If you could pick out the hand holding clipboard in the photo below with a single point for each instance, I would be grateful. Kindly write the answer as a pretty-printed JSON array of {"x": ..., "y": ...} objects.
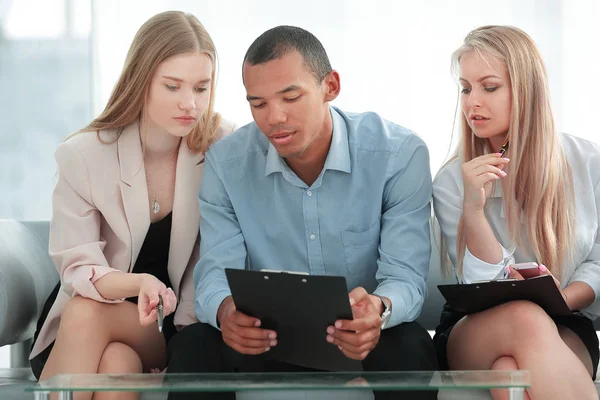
[
  {"x": 476, "y": 297},
  {"x": 299, "y": 309}
]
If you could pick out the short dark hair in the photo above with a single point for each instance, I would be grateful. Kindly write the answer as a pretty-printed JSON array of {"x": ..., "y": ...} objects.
[{"x": 278, "y": 41}]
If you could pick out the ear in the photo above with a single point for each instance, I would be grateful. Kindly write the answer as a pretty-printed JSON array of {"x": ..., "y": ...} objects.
[{"x": 331, "y": 85}]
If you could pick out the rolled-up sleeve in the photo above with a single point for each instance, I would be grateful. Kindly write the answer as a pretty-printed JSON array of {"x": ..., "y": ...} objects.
[
  {"x": 75, "y": 244},
  {"x": 221, "y": 244},
  {"x": 475, "y": 269},
  {"x": 403, "y": 266}
]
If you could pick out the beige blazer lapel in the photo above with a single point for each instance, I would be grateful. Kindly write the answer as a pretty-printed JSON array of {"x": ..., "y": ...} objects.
[
  {"x": 186, "y": 213},
  {"x": 134, "y": 190}
]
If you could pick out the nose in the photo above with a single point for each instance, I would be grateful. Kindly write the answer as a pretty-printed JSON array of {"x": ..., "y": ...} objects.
[
  {"x": 474, "y": 99},
  {"x": 187, "y": 102},
  {"x": 276, "y": 115}
]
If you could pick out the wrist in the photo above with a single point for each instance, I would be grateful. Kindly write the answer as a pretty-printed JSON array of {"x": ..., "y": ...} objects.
[
  {"x": 222, "y": 310},
  {"x": 385, "y": 309},
  {"x": 139, "y": 280},
  {"x": 378, "y": 303},
  {"x": 472, "y": 211}
]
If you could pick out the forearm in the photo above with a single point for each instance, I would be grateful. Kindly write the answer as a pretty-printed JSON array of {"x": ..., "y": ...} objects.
[
  {"x": 579, "y": 295},
  {"x": 480, "y": 238},
  {"x": 119, "y": 285}
]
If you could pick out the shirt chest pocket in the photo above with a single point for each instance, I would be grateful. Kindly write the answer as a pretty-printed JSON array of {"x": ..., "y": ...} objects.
[{"x": 361, "y": 249}]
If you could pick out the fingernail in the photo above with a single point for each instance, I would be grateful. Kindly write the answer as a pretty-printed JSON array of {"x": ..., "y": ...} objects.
[
  {"x": 507, "y": 269},
  {"x": 506, "y": 159},
  {"x": 338, "y": 324},
  {"x": 257, "y": 323},
  {"x": 267, "y": 348},
  {"x": 543, "y": 268},
  {"x": 351, "y": 301},
  {"x": 330, "y": 330},
  {"x": 340, "y": 347},
  {"x": 272, "y": 336},
  {"x": 502, "y": 173},
  {"x": 329, "y": 339},
  {"x": 273, "y": 343}
]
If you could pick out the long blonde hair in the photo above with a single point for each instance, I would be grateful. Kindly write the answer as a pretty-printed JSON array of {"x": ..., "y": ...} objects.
[
  {"x": 539, "y": 186},
  {"x": 163, "y": 36}
]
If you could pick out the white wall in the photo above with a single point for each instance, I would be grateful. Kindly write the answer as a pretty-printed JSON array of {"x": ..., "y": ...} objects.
[{"x": 393, "y": 56}]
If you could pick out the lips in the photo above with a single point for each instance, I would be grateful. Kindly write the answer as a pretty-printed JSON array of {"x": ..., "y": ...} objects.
[
  {"x": 185, "y": 120},
  {"x": 281, "y": 138},
  {"x": 477, "y": 117}
]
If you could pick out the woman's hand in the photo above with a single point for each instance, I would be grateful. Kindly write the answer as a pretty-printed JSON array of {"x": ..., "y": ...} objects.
[
  {"x": 478, "y": 175},
  {"x": 512, "y": 273},
  {"x": 150, "y": 288}
]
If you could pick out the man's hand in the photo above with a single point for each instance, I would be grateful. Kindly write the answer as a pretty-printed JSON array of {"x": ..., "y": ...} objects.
[
  {"x": 358, "y": 337},
  {"x": 241, "y": 332}
]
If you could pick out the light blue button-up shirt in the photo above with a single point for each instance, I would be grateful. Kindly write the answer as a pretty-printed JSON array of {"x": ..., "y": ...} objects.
[{"x": 366, "y": 217}]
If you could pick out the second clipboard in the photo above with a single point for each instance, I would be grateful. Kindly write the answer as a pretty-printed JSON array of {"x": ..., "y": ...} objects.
[{"x": 476, "y": 297}]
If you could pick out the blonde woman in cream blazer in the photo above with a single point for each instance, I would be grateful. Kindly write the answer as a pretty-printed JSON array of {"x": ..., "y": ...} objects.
[{"x": 125, "y": 199}]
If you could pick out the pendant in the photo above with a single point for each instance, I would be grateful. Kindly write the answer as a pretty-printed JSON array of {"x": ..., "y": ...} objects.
[{"x": 155, "y": 207}]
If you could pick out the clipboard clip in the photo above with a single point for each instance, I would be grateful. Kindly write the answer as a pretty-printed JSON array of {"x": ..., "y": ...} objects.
[
  {"x": 284, "y": 272},
  {"x": 495, "y": 280}
]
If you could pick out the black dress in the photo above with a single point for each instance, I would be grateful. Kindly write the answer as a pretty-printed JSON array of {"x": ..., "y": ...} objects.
[{"x": 153, "y": 259}]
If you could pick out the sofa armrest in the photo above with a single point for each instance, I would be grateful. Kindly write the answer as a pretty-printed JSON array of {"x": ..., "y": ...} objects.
[{"x": 27, "y": 276}]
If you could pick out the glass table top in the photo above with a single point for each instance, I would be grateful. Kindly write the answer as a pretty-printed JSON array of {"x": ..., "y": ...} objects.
[{"x": 286, "y": 381}]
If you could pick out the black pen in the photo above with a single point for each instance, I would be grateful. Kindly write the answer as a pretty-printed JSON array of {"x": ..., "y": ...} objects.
[{"x": 159, "y": 307}]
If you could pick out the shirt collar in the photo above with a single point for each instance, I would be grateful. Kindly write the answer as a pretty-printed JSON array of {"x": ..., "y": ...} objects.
[{"x": 338, "y": 157}]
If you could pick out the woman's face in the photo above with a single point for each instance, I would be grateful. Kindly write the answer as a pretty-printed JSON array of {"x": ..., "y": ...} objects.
[
  {"x": 486, "y": 97},
  {"x": 179, "y": 93}
]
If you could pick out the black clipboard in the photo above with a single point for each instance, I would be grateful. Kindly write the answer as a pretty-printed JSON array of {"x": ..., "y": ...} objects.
[
  {"x": 299, "y": 308},
  {"x": 475, "y": 297}
]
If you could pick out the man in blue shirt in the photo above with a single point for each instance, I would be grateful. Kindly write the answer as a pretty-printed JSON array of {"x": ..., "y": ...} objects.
[{"x": 310, "y": 188}]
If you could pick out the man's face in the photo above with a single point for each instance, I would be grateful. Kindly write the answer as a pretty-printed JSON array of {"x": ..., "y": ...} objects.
[{"x": 288, "y": 104}]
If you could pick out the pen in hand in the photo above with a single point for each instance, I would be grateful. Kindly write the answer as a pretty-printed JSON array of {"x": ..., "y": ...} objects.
[
  {"x": 159, "y": 308},
  {"x": 504, "y": 147}
]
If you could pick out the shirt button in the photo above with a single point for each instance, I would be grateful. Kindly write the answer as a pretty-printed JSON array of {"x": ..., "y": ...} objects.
[
  {"x": 308, "y": 193},
  {"x": 312, "y": 237}
]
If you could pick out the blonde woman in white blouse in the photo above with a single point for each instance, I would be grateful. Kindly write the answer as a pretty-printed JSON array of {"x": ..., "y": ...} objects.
[{"x": 538, "y": 201}]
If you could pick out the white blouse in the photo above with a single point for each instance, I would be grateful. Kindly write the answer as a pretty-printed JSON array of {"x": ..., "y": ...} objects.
[{"x": 584, "y": 158}]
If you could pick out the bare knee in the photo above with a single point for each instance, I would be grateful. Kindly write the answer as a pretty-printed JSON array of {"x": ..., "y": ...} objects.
[
  {"x": 525, "y": 321},
  {"x": 505, "y": 330},
  {"x": 81, "y": 314},
  {"x": 118, "y": 358}
]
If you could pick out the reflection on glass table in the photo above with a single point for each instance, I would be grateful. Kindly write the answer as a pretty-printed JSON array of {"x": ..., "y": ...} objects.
[{"x": 515, "y": 381}]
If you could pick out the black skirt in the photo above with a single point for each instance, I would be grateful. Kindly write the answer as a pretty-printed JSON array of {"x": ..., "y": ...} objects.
[{"x": 578, "y": 323}]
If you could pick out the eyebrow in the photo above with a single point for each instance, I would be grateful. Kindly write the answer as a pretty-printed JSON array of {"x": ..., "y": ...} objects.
[
  {"x": 480, "y": 79},
  {"x": 290, "y": 88},
  {"x": 207, "y": 80}
]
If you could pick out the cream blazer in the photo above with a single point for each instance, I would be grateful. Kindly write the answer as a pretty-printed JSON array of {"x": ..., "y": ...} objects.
[{"x": 101, "y": 215}]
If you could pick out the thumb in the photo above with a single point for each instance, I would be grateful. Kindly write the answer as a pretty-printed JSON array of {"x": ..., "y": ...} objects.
[
  {"x": 512, "y": 273},
  {"x": 357, "y": 295}
]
